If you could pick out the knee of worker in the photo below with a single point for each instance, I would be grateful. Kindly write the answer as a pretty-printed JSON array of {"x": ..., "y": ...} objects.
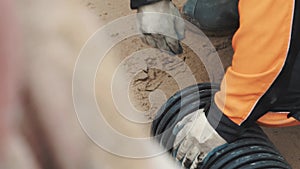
[{"x": 213, "y": 15}]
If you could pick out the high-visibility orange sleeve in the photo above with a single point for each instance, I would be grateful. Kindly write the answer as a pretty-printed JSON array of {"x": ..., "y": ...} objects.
[{"x": 260, "y": 46}]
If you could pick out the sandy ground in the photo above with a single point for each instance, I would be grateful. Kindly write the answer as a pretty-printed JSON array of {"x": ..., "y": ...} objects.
[{"x": 55, "y": 32}]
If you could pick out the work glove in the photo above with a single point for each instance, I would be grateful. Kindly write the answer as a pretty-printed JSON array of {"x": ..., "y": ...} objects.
[
  {"x": 159, "y": 19},
  {"x": 195, "y": 138}
]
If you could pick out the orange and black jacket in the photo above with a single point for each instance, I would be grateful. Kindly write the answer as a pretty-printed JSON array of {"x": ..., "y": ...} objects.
[{"x": 263, "y": 83}]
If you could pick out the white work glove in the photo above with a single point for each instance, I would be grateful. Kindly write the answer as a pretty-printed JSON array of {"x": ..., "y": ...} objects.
[
  {"x": 195, "y": 138},
  {"x": 162, "y": 26}
]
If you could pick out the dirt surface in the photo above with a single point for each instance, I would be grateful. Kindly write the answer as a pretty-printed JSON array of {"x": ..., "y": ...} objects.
[{"x": 55, "y": 41}]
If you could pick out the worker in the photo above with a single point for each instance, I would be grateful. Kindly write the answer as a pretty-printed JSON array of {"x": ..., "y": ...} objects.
[{"x": 262, "y": 85}]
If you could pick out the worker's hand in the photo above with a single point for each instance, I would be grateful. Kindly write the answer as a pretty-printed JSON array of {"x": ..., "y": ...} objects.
[
  {"x": 195, "y": 138},
  {"x": 162, "y": 26}
]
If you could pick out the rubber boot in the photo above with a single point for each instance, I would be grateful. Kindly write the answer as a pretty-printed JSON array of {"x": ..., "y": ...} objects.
[{"x": 217, "y": 17}]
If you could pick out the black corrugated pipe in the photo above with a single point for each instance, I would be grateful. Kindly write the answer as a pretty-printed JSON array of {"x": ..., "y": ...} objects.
[{"x": 253, "y": 150}]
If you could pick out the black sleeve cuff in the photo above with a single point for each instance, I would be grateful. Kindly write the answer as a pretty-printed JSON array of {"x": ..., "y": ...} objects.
[
  {"x": 227, "y": 129},
  {"x": 134, "y": 4}
]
